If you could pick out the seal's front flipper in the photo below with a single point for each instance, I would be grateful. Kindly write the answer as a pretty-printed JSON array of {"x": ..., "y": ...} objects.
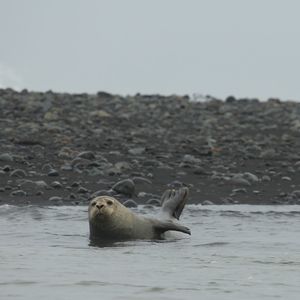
[
  {"x": 164, "y": 226},
  {"x": 173, "y": 202}
]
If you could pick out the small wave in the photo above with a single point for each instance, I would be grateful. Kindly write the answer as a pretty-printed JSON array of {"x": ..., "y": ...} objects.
[
  {"x": 19, "y": 282},
  {"x": 246, "y": 210},
  {"x": 212, "y": 244},
  {"x": 277, "y": 262},
  {"x": 88, "y": 283}
]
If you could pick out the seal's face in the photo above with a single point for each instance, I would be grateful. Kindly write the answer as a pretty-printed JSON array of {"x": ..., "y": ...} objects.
[{"x": 101, "y": 207}]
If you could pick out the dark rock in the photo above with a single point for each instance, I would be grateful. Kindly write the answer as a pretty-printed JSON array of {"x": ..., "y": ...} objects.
[
  {"x": 87, "y": 155},
  {"x": 19, "y": 193},
  {"x": 175, "y": 184},
  {"x": 250, "y": 177},
  {"x": 153, "y": 202},
  {"x": 241, "y": 190},
  {"x": 230, "y": 99},
  {"x": 47, "y": 167},
  {"x": 6, "y": 168},
  {"x": 18, "y": 173},
  {"x": 56, "y": 185},
  {"x": 72, "y": 196},
  {"x": 82, "y": 190},
  {"x": 268, "y": 154},
  {"x": 103, "y": 193},
  {"x": 296, "y": 194},
  {"x": 6, "y": 157},
  {"x": 130, "y": 203},
  {"x": 190, "y": 159},
  {"x": 122, "y": 166},
  {"x": 53, "y": 173},
  {"x": 141, "y": 180},
  {"x": 238, "y": 179},
  {"x": 41, "y": 184},
  {"x": 266, "y": 178},
  {"x": 56, "y": 199},
  {"x": 125, "y": 187}
]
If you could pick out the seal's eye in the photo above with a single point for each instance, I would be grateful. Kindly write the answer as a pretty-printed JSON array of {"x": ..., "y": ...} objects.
[
  {"x": 93, "y": 203},
  {"x": 109, "y": 202}
]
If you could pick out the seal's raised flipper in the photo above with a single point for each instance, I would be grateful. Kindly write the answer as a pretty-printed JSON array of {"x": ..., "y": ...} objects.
[
  {"x": 173, "y": 202},
  {"x": 163, "y": 226}
]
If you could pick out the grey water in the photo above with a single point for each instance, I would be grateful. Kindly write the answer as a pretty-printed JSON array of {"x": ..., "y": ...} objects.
[{"x": 234, "y": 252}]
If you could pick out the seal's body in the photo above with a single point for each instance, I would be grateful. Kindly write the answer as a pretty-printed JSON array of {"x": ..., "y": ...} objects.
[{"x": 110, "y": 220}]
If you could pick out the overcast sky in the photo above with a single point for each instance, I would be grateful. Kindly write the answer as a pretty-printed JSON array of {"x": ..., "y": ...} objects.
[{"x": 216, "y": 47}]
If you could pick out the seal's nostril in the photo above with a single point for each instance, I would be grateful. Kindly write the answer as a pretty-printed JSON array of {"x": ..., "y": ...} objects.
[{"x": 99, "y": 206}]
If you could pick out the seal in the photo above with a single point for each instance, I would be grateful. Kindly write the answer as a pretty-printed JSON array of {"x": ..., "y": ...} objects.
[{"x": 110, "y": 220}]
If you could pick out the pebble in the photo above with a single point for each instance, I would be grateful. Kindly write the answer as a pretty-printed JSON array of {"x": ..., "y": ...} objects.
[
  {"x": 241, "y": 190},
  {"x": 55, "y": 199},
  {"x": 65, "y": 153},
  {"x": 250, "y": 177},
  {"x": 207, "y": 202},
  {"x": 19, "y": 193},
  {"x": 18, "y": 173},
  {"x": 42, "y": 184},
  {"x": 87, "y": 155},
  {"x": 56, "y": 185},
  {"x": 296, "y": 193},
  {"x": 72, "y": 196},
  {"x": 238, "y": 179},
  {"x": 27, "y": 184},
  {"x": 6, "y": 168},
  {"x": 175, "y": 184},
  {"x": 141, "y": 180},
  {"x": 200, "y": 171},
  {"x": 6, "y": 157},
  {"x": 190, "y": 159},
  {"x": 75, "y": 184},
  {"x": 153, "y": 202},
  {"x": 137, "y": 151},
  {"x": 53, "y": 173},
  {"x": 47, "y": 167},
  {"x": 102, "y": 193},
  {"x": 122, "y": 166},
  {"x": 266, "y": 178},
  {"x": 82, "y": 190},
  {"x": 130, "y": 203},
  {"x": 125, "y": 187},
  {"x": 268, "y": 154}
]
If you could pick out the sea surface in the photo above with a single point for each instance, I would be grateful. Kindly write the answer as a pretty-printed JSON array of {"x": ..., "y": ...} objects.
[{"x": 234, "y": 252}]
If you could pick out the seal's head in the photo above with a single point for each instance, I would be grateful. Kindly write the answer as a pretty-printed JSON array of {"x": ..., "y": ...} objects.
[{"x": 101, "y": 207}]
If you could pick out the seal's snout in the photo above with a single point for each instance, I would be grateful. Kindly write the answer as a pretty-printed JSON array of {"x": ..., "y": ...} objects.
[{"x": 99, "y": 206}]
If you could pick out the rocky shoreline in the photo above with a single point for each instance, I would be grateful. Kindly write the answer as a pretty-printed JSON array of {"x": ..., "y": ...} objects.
[{"x": 63, "y": 149}]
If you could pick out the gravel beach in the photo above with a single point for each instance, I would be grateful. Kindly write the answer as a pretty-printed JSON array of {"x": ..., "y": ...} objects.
[{"x": 64, "y": 149}]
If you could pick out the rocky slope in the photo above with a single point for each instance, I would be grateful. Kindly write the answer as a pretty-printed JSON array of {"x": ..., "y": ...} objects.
[{"x": 58, "y": 148}]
